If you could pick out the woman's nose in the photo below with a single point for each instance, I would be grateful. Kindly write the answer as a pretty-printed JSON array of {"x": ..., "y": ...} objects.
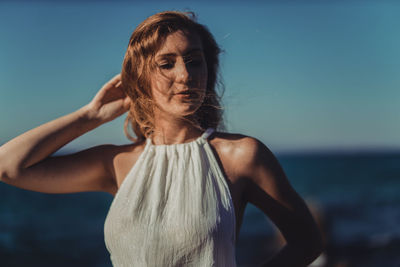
[{"x": 182, "y": 73}]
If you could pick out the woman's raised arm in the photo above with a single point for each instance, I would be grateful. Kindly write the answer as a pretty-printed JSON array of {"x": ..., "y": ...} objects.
[{"x": 25, "y": 161}]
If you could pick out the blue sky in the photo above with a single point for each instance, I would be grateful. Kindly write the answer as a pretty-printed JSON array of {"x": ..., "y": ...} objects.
[{"x": 298, "y": 76}]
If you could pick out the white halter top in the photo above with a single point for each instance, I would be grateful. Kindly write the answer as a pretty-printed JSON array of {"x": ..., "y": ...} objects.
[{"x": 173, "y": 208}]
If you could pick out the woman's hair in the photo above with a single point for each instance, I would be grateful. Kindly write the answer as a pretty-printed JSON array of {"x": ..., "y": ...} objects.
[{"x": 139, "y": 64}]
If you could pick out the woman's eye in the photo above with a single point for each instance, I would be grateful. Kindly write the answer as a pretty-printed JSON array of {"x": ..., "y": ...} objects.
[
  {"x": 193, "y": 61},
  {"x": 166, "y": 65}
]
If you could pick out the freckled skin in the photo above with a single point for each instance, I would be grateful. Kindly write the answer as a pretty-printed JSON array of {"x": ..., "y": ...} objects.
[{"x": 183, "y": 69}]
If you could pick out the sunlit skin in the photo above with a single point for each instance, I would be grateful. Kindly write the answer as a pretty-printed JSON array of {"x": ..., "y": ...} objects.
[
  {"x": 252, "y": 172},
  {"x": 181, "y": 68},
  {"x": 178, "y": 85}
]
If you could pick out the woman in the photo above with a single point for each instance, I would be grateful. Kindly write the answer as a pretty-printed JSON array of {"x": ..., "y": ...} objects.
[{"x": 181, "y": 188}]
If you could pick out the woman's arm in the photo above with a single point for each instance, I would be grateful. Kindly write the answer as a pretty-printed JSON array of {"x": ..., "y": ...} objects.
[
  {"x": 269, "y": 190},
  {"x": 25, "y": 161}
]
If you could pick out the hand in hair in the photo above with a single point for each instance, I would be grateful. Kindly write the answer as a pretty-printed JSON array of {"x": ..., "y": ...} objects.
[{"x": 110, "y": 101}]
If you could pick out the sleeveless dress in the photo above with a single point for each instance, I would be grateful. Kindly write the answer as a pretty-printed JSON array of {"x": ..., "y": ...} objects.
[{"x": 173, "y": 208}]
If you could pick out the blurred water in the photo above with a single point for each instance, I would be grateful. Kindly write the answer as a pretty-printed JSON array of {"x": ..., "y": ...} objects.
[{"x": 357, "y": 195}]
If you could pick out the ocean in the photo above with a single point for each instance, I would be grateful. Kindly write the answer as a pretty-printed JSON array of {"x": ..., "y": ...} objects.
[{"x": 355, "y": 196}]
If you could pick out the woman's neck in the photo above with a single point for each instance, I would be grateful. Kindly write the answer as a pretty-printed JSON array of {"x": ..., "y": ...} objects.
[{"x": 174, "y": 131}]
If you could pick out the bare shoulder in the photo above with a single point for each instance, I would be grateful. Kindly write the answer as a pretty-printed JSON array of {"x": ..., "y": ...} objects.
[
  {"x": 121, "y": 159},
  {"x": 232, "y": 141},
  {"x": 241, "y": 152}
]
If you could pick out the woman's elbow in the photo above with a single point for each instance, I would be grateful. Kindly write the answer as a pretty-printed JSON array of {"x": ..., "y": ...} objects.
[
  {"x": 9, "y": 168},
  {"x": 6, "y": 176},
  {"x": 8, "y": 173}
]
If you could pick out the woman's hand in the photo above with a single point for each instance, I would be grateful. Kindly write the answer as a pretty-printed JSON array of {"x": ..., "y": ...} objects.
[{"x": 110, "y": 101}]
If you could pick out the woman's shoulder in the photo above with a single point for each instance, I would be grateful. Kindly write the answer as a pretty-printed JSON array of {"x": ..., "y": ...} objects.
[
  {"x": 112, "y": 151},
  {"x": 121, "y": 158},
  {"x": 239, "y": 148},
  {"x": 236, "y": 142},
  {"x": 128, "y": 151}
]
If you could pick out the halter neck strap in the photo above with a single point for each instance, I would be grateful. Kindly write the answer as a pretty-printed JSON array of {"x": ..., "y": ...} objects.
[
  {"x": 200, "y": 139},
  {"x": 207, "y": 133}
]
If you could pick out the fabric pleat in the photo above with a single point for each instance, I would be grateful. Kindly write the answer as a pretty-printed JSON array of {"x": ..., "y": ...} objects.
[{"x": 173, "y": 208}]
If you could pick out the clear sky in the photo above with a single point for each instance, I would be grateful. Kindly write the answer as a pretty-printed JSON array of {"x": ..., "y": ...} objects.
[{"x": 298, "y": 76}]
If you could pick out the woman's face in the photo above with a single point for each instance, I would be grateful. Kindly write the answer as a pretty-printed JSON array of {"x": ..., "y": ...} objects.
[{"x": 180, "y": 80}]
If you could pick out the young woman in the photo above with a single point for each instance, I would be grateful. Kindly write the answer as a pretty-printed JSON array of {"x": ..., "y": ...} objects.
[{"x": 181, "y": 187}]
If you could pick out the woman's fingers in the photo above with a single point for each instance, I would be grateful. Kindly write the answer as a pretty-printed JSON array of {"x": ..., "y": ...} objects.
[
  {"x": 113, "y": 83},
  {"x": 115, "y": 79},
  {"x": 127, "y": 103},
  {"x": 112, "y": 89}
]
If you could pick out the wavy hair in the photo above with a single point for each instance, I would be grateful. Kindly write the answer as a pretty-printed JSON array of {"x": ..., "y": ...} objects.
[{"x": 138, "y": 65}]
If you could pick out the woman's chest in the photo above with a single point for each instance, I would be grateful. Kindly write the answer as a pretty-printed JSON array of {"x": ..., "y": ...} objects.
[
  {"x": 179, "y": 187},
  {"x": 167, "y": 196}
]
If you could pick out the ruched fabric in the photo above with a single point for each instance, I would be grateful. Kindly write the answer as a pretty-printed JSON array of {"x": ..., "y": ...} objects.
[{"x": 174, "y": 208}]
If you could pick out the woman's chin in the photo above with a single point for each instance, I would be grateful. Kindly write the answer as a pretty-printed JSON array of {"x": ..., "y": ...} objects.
[{"x": 187, "y": 110}]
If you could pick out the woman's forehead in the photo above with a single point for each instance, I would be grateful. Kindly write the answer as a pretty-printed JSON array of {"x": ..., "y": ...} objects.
[{"x": 180, "y": 43}]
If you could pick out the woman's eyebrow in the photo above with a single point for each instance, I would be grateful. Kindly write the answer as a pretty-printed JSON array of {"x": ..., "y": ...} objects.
[{"x": 191, "y": 51}]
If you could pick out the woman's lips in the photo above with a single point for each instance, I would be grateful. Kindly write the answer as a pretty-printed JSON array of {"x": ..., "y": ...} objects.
[
  {"x": 186, "y": 93},
  {"x": 183, "y": 92}
]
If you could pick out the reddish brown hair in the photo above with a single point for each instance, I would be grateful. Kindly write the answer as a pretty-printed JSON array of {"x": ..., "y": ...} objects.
[{"x": 138, "y": 65}]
